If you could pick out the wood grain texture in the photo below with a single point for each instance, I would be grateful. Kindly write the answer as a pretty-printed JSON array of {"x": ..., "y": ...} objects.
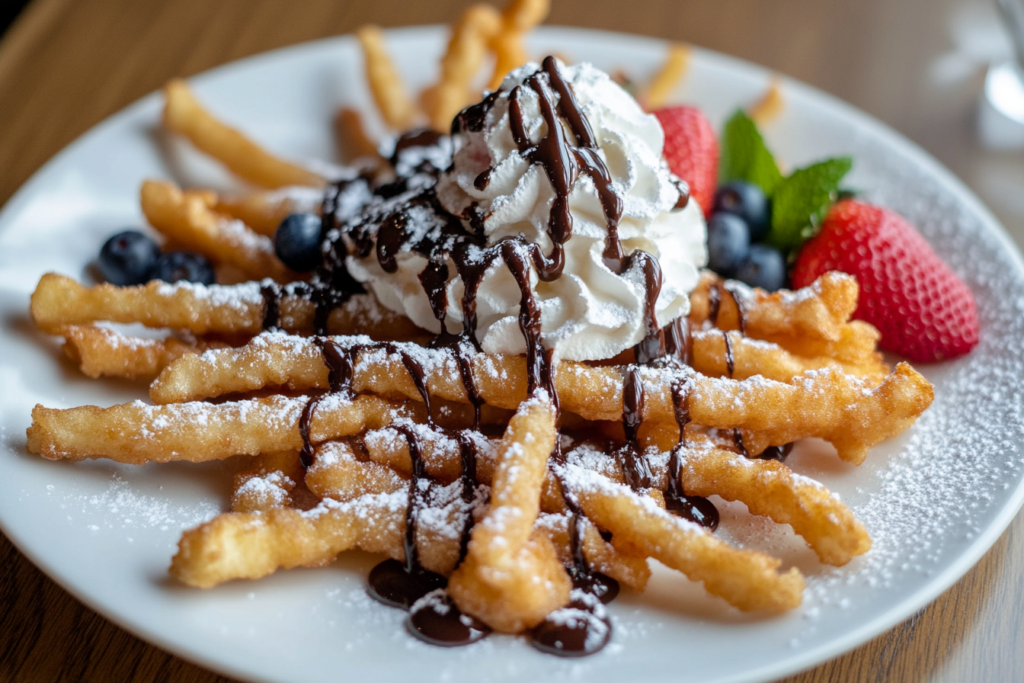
[{"x": 67, "y": 64}]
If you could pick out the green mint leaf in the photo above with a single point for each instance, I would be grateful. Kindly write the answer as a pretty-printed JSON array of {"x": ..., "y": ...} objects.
[
  {"x": 801, "y": 201},
  {"x": 744, "y": 155}
]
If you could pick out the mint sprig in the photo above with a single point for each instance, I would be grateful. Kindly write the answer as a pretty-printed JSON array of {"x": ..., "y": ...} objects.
[
  {"x": 801, "y": 201},
  {"x": 744, "y": 156}
]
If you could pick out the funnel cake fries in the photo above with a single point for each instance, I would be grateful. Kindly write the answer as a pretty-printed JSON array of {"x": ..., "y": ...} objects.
[
  {"x": 825, "y": 403},
  {"x": 513, "y": 479}
]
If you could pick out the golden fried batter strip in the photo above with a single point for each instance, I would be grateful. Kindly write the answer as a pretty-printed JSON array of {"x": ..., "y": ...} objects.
[
  {"x": 184, "y": 115},
  {"x": 266, "y": 482},
  {"x": 188, "y": 219},
  {"x": 264, "y": 211},
  {"x": 136, "y": 433},
  {"x": 850, "y": 413},
  {"x": 757, "y": 357},
  {"x": 622, "y": 565},
  {"x": 847, "y": 412},
  {"x": 440, "y": 453},
  {"x": 463, "y": 58},
  {"x": 238, "y": 545},
  {"x": 339, "y": 474},
  {"x": 817, "y": 311},
  {"x": 355, "y": 145},
  {"x": 511, "y": 578},
  {"x": 857, "y": 344},
  {"x": 59, "y": 301},
  {"x": 275, "y": 360},
  {"x": 771, "y": 103},
  {"x": 102, "y": 352},
  {"x": 746, "y": 579},
  {"x": 770, "y": 489},
  {"x": 386, "y": 85},
  {"x": 517, "y": 19},
  {"x": 668, "y": 77}
]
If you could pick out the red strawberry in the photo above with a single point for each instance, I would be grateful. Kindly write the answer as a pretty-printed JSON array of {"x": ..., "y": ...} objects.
[
  {"x": 923, "y": 310},
  {"x": 691, "y": 150}
]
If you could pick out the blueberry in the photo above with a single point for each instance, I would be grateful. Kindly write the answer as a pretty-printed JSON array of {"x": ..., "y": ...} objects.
[
  {"x": 747, "y": 201},
  {"x": 763, "y": 267},
  {"x": 127, "y": 257},
  {"x": 728, "y": 242},
  {"x": 189, "y": 266},
  {"x": 297, "y": 241}
]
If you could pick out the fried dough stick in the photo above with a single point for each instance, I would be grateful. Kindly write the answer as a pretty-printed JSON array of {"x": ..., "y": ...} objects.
[
  {"x": 59, "y": 301},
  {"x": 817, "y": 311},
  {"x": 136, "y": 433},
  {"x": 266, "y": 482},
  {"x": 768, "y": 488},
  {"x": 668, "y": 77},
  {"x": 184, "y": 115},
  {"x": 857, "y": 345},
  {"x": 264, "y": 211},
  {"x": 511, "y": 579},
  {"x": 757, "y": 357},
  {"x": 440, "y": 452},
  {"x": 747, "y": 579},
  {"x": 238, "y": 545},
  {"x": 102, "y": 352},
  {"x": 271, "y": 360},
  {"x": 517, "y": 19},
  {"x": 355, "y": 145},
  {"x": 463, "y": 58},
  {"x": 623, "y": 565},
  {"x": 187, "y": 219},
  {"x": 848, "y": 412},
  {"x": 338, "y": 473},
  {"x": 388, "y": 89}
]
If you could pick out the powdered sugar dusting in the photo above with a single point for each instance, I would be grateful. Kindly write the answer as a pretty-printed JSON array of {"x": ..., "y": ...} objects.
[
  {"x": 121, "y": 506},
  {"x": 238, "y": 297}
]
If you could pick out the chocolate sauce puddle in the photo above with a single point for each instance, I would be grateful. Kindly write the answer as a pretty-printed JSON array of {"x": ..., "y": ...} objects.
[
  {"x": 436, "y": 620},
  {"x": 582, "y": 627}
]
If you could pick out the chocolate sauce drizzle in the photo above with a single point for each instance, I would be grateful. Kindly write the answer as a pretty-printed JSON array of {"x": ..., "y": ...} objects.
[
  {"x": 779, "y": 453},
  {"x": 635, "y": 468},
  {"x": 694, "y": 508},
  {"x": 436, "y": 620},
  {"x": 362, "y": 218}
]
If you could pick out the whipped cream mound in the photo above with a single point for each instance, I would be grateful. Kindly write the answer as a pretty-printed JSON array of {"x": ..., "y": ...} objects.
[{"x": 589, "y": 312}]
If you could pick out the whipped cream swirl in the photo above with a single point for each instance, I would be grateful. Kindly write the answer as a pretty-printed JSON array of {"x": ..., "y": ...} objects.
[{"x": 589, "y": 312}]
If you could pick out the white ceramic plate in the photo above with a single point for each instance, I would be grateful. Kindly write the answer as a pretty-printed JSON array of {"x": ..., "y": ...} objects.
[{"x": 934, "y": 500}]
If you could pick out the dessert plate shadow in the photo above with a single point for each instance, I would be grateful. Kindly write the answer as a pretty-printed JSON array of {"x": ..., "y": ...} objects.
[{"x": 934, "y": 500}]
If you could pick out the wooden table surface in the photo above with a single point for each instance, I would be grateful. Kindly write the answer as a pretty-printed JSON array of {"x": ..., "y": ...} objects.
[{"x": 67, "y": 64}]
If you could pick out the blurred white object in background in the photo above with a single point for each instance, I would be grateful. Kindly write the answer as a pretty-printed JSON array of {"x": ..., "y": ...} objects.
[
  {"x": 1001, "y": 114},
  {"x": 977, "y": 38},
  {"x": 1001, "y": 111}
]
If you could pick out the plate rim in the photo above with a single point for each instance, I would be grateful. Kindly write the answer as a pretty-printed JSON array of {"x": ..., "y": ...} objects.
[{"x": 877, "y": 129}]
